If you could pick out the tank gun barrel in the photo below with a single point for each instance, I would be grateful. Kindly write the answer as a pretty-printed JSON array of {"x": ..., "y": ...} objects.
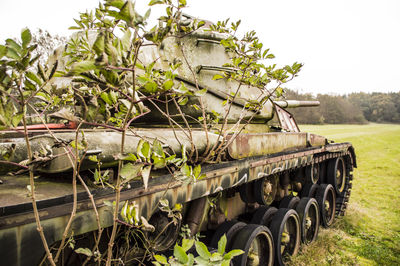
[{"x": 296, "y": 103}]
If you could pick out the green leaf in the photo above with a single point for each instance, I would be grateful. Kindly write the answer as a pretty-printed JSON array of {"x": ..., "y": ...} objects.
[
  {"x": 183, "y": 100},
  {"x": 279, "y": 92},
  {"x": 147, "y": 14},
  {"x": 202, "y": 250},
  {"x": 186, "y": 170},
  {"x": 14, "y": 45},
  {"x": 132, "y": 214},
  {"x": 216, "y": 257},
  {"x": 17, "y": 118},
  {"x": 168, "y": 84},
  {"x": 127, "y": 13},
  {"x": 145, "y": 150},
  {"x": 130, "y": 157},
  {"x": 191, "y": 260},
  {"x": 105, "y": 98},
  {"x": 201, "y": 261},
  {"x": 73, "y": 145},
  {"x": 82, "y": 66},
  {"x": 201, "y": 23},
  {"x": 182, "y": 3},
  {"x": 32, "y": 76},
  {"x": 270, "y": 56},
  {"x": 93, "y": 158},
  {"x": 127, "y": 104},
  {"x": 130, "y": 171},
  {"x": 124, "y": 211},
  {"x": 145, "y": 175},
  {"x": 222, "y": 244},
  {"x": 226, "y": 262},
  {"x": 161, "y": 259},
  {"x": 3, "y": 51},
  {"x": 217, "y": 76},
  {"x": 98, "y": 45},
  {"x": 183, "y": 152},
  {"x": 182, "y": 89},
  {"x": 157, "y": 149},
  {"x": 180, "y": 254},
  {"x": 126, "y": 39},
  {"x": 233, "y": 253},
  {"x": 26, "y": 37},
  {"x": 113, "y": 96},
  {"x": 200, "y": 93},
  {"x": 151, "y": 87},
  {"x": 197, "y": 171},
  {"x": 115, "y": 3},
  {"x": 187, "y": 244},
  {"x": 84, "y": 251},
  {"x": 12, "y": 53},
  {"x": 156, "y": 2},
  {"x": 29, "y": 85},
  {"x": 53, "y": 70},
  {"x": 158, "y": 162}
]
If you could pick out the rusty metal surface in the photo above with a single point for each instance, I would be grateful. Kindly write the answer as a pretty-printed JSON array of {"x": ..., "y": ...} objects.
[
  {"x": 286, "y": 120},
  {"x": 248, "y": 145}
]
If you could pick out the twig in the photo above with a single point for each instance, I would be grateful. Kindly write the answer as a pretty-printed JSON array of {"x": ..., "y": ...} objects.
[
  {"x": 32, "y": 180},
  {"x": 76, "y": 167}
]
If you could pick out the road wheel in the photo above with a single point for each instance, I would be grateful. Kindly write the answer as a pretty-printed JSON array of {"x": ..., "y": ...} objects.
[
  {"x": 309, "y": 190},
  {"x": 308, "y": 211},
  {"x": 229, "y": 228},
  {"x": 337, "y": 175},
  {"x": 312, "y": 173},
  {"x": 265, "y": 189},
  {"x": 285, "y": 229},
  {"x": 326, "y": 198},
  {"x": 256, "y": 242},
  {"x": 246, "y": 192},
  {"x": 289, "y": 202},
  {"x": 263, "y": 215}
]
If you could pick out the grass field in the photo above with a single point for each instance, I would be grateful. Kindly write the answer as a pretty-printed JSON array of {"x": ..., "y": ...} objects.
[{"x": 369, "y": 233}]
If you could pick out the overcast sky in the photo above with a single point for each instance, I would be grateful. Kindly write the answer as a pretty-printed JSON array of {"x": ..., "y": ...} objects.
[{"x": 345, "y": 45}]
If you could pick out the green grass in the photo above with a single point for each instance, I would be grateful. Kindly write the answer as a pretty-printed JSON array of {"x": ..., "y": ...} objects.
[{"x": 369, "y": 233}]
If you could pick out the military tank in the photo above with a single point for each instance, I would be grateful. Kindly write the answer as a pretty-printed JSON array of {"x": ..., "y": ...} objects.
[{"x": 271, "y": 189}]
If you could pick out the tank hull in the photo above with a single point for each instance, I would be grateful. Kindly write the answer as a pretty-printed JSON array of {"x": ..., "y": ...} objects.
[{"x": 18, "y": 227}]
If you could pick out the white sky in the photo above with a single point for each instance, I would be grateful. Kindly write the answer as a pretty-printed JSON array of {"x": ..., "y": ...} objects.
[{"x": 346, "y": 45}]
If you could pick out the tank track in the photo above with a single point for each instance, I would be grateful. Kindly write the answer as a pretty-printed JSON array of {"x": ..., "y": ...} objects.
[{"x": 342, "y": 202}]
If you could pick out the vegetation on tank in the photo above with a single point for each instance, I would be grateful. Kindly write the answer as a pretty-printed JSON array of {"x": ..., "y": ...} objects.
[{"x": 99, "y": 80}]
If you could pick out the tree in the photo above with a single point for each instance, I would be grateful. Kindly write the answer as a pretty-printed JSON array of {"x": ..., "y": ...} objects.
[{"x": 46, "y": 44}]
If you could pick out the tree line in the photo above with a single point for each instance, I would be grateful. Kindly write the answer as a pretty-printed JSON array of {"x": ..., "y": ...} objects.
[{"x": 354, "y": 108}]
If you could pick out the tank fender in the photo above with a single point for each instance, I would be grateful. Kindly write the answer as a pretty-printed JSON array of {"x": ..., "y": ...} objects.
[{"x": 353, "y": 156}]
